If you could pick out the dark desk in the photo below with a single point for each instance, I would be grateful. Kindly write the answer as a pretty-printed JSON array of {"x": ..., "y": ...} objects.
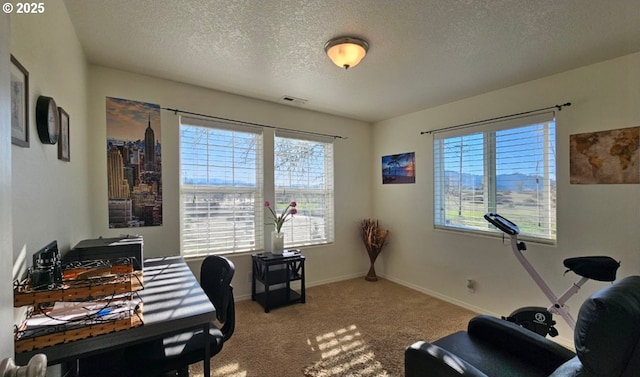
[{"x": 173, "y": 302}]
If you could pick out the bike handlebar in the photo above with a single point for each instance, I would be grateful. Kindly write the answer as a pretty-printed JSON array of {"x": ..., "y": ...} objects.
[{"x": 502, "y": 223}]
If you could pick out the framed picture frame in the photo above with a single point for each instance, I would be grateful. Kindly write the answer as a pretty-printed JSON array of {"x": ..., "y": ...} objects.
[
  {"x": 399, "y": 168},
  {"x": 63, "y": 140},
  {"x": 19, "y": 88}
]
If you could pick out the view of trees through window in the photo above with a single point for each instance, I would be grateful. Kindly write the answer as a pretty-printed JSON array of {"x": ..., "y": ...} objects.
[
  {"x": 223, "y": 193},
  {"x": 304, "y": 174}
]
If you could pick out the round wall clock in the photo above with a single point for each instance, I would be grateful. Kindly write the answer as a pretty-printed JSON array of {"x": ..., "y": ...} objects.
[{"x": 47, "y": 120}]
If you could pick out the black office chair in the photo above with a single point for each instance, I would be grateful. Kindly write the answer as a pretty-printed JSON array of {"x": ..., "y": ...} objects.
[{"x": 176, "y": 353}]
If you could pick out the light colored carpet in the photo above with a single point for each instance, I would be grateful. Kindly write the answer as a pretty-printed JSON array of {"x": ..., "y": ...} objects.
[{"x": 349, "y": 328}]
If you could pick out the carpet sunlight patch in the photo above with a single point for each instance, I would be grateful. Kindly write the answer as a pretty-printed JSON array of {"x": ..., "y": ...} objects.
[{"x": 344, "y": 353}]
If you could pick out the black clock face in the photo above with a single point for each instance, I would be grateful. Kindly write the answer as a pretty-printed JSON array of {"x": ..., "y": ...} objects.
[{"x": 47, "y": 120}]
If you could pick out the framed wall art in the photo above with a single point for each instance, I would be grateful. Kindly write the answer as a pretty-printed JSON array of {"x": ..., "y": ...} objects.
[
  {"x": 399, "y": 168},
  {"x": 134, "y": 163},
  {"x": 63, "y": 141},
  {"x": 19, "y": 104},
  {"x": 605, "y": 157}
]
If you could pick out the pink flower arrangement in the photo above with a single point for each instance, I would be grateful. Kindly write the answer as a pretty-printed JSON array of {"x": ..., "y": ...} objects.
[{"x": 284, "y": 216}]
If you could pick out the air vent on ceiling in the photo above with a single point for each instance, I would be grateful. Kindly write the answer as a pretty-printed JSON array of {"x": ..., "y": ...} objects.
[{"x": 294, "y": 100}]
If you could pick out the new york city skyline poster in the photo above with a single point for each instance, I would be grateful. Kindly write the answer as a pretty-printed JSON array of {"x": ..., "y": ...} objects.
[{"x": 134, "y": 163}]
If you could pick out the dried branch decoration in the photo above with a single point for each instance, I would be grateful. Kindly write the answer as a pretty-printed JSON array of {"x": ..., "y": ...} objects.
[{"x": 374, "y": 239}]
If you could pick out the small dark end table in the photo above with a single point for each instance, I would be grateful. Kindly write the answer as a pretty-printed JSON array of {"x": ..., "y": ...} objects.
[{"x": 277, "y": 269}]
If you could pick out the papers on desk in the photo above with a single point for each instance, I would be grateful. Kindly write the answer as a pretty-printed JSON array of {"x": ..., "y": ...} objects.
[
  {"x": 86, "y": 311},
  {"x": 66, "y": 322},
  {"x": 66, "y": 316}
]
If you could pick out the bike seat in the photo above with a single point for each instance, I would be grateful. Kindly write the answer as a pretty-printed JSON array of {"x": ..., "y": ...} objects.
[{"x": 596, "y": 268}]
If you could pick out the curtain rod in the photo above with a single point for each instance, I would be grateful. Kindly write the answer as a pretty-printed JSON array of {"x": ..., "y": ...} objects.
[
  {"x": 557, "y": 107},
  {"x": 176, "y": 111}
]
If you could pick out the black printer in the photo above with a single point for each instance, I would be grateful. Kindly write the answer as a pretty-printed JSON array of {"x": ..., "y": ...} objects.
[{"x": 108, "y": 249}]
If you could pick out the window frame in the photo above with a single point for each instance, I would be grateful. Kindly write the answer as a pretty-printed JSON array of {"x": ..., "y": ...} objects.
[
  {"x": 327, "y": 192},
  {"x": 267, "y": 183},
  {"x": 490, "y": 173},
  {"x": 258, "y": 190}
]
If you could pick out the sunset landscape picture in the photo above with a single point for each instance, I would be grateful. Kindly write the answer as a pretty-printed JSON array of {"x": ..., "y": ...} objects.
[{"x": 399, "y": 168}]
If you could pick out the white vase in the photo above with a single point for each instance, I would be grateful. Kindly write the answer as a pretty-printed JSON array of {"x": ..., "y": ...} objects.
[{"x": 277, "y": 242}]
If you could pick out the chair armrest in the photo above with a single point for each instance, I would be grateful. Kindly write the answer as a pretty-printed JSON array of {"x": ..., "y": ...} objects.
[
  {"x": 426, "y": 359},
  {"x": 520, "y": 342}
]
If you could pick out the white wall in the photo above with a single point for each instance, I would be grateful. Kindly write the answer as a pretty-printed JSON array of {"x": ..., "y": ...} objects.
[
  {"x": 6, "y": 295},
  {"x": 50, "y": 196},
  {"x": 345, "y": 258},
  {"x": 592, "y": 219}
]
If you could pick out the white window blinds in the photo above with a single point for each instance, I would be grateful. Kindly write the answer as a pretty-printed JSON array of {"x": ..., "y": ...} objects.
[
  {"x": 221, "y": 187},
  {"x": 303, "y": 173},
  {"x": 508, "y": 167}
]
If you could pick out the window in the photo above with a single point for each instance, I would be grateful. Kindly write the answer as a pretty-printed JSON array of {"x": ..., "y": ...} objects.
[
  {"x": 220, "y": 187},
  {"x": 505, "y": 167},
  {"x": 304, "y": 174}
]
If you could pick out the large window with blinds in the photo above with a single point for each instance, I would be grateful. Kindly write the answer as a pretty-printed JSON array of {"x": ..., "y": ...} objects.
[
  {"x": 507, "y": 167},
  {"x": 303, "y": 172},
  {"x": 224, "y": 183},
  {"x": 221, "y": 207}
]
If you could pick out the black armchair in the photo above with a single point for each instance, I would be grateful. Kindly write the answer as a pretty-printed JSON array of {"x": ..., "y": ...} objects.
[{"x": 607, "y": 342}]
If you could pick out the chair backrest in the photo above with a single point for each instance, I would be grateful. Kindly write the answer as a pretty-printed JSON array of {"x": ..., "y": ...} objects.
[
  {"x": 607, "y": 333},
  {"x": 216, "y": 274}
]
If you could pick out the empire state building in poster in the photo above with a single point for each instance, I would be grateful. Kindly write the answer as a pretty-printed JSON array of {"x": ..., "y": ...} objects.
[{"x": 134, "y": 163}]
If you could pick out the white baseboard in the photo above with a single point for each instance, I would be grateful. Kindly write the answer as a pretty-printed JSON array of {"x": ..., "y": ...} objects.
[
  {"x": 568, "y": 343},
  {"x": 309, "y": 284},
  {"x": 336, "y": 279},
  {"x": 442, "y": 297}
]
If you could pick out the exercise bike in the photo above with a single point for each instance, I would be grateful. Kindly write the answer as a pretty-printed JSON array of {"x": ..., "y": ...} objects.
[{"x": 539, "y": 319}]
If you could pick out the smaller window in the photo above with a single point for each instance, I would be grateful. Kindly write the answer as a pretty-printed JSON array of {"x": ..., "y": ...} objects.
[{"x": 303, "y": 173}]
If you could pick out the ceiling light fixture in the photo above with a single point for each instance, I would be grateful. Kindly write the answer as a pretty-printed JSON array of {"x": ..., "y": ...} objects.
[{"x": 346, "y": 52}]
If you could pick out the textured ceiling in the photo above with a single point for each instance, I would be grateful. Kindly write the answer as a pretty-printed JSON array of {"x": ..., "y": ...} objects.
[{"x": 423, "y": 52}]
